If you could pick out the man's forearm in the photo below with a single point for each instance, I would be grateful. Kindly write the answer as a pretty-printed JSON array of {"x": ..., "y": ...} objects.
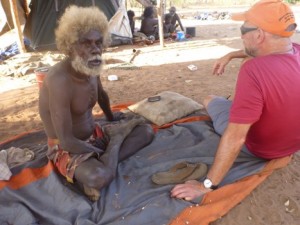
[
  {"x": 105, "y": 106},
  {"x": 180, "y": 24},
  {"x": 108, "y": 113},
  {"x": 182, "y": 28},
  {"x": 228, "y": 150},
  {"x": 77, "y": 146},
  {"x": 237, "y": 54}
]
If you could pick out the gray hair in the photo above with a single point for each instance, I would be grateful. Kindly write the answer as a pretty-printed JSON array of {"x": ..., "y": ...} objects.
[{"x": 77, "y": 21}]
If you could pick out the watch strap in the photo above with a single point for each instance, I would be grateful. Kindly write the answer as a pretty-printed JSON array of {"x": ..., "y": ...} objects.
[{"x": 213, "y": 187}]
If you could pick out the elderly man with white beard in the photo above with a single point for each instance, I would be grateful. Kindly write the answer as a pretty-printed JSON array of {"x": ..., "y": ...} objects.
[{"x": 82, "y": 150}]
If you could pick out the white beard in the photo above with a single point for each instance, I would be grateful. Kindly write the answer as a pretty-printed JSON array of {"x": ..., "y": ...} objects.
[{"x": 81, "y": 66}]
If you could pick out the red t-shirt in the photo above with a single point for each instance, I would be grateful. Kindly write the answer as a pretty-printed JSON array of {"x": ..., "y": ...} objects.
[{"x": 268, "y": 96}]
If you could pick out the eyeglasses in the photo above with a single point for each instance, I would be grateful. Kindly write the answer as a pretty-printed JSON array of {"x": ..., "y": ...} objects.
[{"x": 245, "y": 30}]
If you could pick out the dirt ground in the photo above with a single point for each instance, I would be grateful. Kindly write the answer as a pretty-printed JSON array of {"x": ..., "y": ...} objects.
[{"x": 156, "y": 69}]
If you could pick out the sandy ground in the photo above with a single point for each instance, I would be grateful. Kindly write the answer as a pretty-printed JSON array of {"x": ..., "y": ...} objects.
[{"x": 156, "y": 69}]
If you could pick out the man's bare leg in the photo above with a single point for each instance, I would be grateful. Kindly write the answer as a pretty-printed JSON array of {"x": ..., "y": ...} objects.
[
  {"x": 141, "y": 136},
  {"x": 207, "y": 100},
  {"x": 95, "y": 174}
]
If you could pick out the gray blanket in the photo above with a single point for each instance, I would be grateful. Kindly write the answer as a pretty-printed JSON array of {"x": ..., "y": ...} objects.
[{"x": 132, "y": 198}]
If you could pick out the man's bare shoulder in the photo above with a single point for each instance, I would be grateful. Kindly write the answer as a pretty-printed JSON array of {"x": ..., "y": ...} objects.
[
  {"x": 59, "y": 74},
  {"x": 58, "y": 84}
]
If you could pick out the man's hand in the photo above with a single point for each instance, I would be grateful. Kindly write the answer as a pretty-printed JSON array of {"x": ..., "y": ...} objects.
[
  {"x": 189, "y": 191},
  {"x": 220, "y": 64},
  {"x": 101, "y": 143},
  {"x": 99, "y": 151},
  {"x": 118, "y": 116}
]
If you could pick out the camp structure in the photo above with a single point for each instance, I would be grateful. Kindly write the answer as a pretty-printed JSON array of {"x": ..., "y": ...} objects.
[{"x": 41, "y": 21}]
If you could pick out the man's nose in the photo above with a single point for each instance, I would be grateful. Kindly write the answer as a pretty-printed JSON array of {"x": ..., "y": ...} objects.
[{"x": 96, "y": 49}]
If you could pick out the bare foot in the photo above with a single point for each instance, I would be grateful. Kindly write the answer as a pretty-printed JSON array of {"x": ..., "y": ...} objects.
[
  {"x": 92, "y": 193},
  {"x": 121, "y": 130}
]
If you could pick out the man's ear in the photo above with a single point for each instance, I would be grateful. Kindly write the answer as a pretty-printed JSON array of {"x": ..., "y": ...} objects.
[
  {"x": 71, "y": 51},
  {"x": 260, "y": 36}
]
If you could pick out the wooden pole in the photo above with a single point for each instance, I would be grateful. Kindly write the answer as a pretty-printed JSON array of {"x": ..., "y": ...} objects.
[
  {"x": 160, "y": 15},
  {"x": 17, "y": 26},
  {"x": 26, "y": 8}
]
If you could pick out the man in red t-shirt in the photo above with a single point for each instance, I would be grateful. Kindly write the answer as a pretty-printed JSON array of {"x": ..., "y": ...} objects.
[{"x": 263, "y": 119}]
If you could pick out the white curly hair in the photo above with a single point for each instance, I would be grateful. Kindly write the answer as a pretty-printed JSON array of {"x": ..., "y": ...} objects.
[{"x": 77, "y": 21}]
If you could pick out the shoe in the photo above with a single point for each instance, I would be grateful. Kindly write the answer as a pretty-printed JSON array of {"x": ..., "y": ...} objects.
[{"x": 180, "y": 173}]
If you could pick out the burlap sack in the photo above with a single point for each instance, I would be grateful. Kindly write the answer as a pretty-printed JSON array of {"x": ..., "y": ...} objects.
[{"x": 170, "y": 107}]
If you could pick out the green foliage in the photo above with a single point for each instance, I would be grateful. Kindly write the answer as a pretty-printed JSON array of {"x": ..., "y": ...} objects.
[{"x": 292, "y": 1}]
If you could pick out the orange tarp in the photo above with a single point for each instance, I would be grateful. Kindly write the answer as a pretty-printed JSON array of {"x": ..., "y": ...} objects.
[
  {"x": 217, "y": 203},
  {"x": 27, "y": 176}
]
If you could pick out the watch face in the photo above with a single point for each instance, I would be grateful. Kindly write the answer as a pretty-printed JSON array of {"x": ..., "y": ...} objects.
[{"x": 207, "y": 183}]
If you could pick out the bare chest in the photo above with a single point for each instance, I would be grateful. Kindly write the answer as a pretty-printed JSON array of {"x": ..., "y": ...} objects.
[{"x": 84, "y": 96}]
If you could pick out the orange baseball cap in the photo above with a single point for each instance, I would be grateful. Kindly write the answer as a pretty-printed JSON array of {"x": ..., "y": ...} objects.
[{"x": 273, "y": 16}]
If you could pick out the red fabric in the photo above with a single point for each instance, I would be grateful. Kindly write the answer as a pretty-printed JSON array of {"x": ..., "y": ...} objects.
[
  {"x": 65, "y": 162},
  {"x": 268, "y": 90},
  {"x": 98, "y": 133},
  {"x": 61, "y": 164},
  {"x": 27, "y": 176}
]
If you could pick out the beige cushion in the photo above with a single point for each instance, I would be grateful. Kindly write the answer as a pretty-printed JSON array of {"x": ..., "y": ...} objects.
[{"x": 170, "y": 107}]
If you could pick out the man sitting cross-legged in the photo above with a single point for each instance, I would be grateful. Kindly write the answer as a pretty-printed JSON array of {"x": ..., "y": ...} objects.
[{"x": 79, "y": 148}]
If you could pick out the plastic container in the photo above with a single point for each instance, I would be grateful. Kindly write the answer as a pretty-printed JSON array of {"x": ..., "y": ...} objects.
[
  {"x": 112, "y": 77},
  {"x": 192, "y": 67},
  {"x": 40, "y": 74},
  {"x": 180, "y": 35},
  {"x": 191, "y": 31}
]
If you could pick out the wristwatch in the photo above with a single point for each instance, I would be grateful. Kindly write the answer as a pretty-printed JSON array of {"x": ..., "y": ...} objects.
[{"x": 209, "y": 185}]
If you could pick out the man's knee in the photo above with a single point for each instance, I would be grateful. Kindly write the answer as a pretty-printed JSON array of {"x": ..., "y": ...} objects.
[
  {"x": 94, "y": 174},
  {"x": 142, "y": 133},
  {"x": 100, "y": 177},
  {"x": 141, "y": 136},
  {"x": 148, "y": 133},
  {"x": 208, "y": 99}
]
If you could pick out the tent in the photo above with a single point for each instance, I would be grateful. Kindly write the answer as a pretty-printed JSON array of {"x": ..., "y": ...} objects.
[{"x": 41, "y": 22}]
